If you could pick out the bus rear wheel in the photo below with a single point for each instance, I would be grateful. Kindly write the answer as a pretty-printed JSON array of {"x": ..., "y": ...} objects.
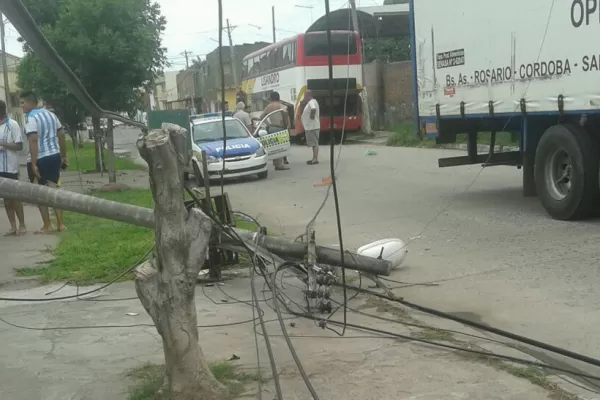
[{"x": 567, "y": 172}]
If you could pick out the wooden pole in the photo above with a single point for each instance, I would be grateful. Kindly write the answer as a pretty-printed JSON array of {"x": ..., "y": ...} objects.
[
  {"x": 5, "y": 67},
  {"x": 110, "y": 141},
  {"x": 273, "y": 23}
]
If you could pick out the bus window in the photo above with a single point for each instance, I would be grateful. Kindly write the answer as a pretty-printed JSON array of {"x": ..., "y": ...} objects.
[
  {"x": 287, "y": 54},
  {"x": 315, "y": 44},
  {"x": 245, "y": 68},
  {"x": 264, "y": 62},
  {"x": 278, "y": 58},
  {"x": 351, "y": 105},
  {"x": 293, "y": 52},
  {"x": 256, "y": 66}
]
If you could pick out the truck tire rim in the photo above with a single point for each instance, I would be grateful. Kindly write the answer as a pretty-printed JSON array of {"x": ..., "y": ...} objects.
[{"x": 559, "y": 174}]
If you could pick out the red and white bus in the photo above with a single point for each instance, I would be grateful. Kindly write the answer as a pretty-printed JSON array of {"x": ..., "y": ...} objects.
[{"x": 293, "y": 65}]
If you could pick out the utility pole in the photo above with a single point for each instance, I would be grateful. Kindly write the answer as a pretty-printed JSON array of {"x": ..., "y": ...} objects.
[
  {"x": 232, "y": 51},
  {"x": 273, "y": 21},
  {"x": 366, "y": 125},
  {"x": 5, "y": 67},
  {"x": 186, "y": 54}
]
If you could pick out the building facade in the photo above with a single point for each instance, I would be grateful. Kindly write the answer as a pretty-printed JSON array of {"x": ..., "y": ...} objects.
[
  {"x": 165, "y": 91},
  {"x": 200, "y": 86}
]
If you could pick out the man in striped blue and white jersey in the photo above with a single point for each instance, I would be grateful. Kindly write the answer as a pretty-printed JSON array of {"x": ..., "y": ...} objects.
[
  {"x": 47, "y": 151},
  {"x": 10, "y": 144}
]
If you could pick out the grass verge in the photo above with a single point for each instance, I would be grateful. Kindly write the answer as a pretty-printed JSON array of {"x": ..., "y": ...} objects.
[
  {"x": 97, "y": 250},
  {"x": 403, "y": 135},
  {"x": 84, "y": 158},
  {"x": 148, "y": 379}
]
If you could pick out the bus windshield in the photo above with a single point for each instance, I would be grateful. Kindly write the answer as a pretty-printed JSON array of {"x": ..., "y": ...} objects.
[
  {"x": 342, "y": 43},
  {"x": 213, "y": 131}
]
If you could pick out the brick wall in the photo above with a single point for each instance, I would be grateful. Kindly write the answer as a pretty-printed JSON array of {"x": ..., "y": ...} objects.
[{"x": 389, "y": 88}]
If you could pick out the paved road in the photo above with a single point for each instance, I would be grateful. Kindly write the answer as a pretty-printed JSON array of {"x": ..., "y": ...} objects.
[{"x": 499, "y": 257}]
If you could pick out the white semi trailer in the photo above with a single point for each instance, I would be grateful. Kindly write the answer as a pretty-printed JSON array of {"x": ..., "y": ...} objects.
[{"x": 531, "y": 68}]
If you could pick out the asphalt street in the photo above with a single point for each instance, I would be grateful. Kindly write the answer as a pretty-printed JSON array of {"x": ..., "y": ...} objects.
[{"x": 498, "y": 258}]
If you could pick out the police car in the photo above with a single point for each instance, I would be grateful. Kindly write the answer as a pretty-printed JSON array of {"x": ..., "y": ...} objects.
[{"x": 241, "y": 156}]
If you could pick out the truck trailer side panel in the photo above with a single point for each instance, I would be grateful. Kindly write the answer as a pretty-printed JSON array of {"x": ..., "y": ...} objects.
[
  {"x": 473, "y": 52},
  {"x": 530, "y": 68}
]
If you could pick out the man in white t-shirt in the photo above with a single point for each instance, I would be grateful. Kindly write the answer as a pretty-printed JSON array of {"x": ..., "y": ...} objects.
[
  {"x": 243, "y": 116},
  {"x": 312, "y": 123},
  {"x": 10, "y": 144}
]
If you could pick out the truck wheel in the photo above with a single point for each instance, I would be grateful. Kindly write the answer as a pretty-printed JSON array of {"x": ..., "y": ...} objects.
[{"x": 567, "y": 172}]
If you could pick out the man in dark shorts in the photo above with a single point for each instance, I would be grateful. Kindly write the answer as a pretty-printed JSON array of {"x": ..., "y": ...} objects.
[
  {"x": 10, "y": 144},
  {"x": 47, "y": 151}
]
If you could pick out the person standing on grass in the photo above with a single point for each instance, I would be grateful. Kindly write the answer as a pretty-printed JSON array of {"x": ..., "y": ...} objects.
[
  {"x": 10, "y": 144},
  {"x": 47, "y": 151},
  {"x": 312, "y": 123}
]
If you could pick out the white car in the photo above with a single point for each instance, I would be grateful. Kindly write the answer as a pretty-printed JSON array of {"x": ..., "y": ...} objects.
[{"x": 242, "y": 156}]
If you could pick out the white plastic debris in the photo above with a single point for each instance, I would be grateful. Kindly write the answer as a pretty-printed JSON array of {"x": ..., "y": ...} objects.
[{"x": 392, "y": 250}]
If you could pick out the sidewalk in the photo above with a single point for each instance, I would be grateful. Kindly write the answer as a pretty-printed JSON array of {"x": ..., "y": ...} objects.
[
  {"x": 55, "y": 363},
  {"x": 23, "y": 251}
]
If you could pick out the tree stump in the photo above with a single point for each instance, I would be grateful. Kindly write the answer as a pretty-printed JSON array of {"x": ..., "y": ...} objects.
[{"x": 166, "y": 284}]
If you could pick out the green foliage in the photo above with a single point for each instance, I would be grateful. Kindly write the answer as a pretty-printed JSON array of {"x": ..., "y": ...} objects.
[
  {"x": 387, "y": 49},
  {"x": 148, "y": 379},
  {"x": 97, "y": 250},
  {"x": 113, "y": 46}
]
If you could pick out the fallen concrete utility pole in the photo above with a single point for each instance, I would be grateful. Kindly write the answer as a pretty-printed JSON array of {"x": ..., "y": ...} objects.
[
  {"x": 325, "y": 255},
  {"x": 141, "y": 216},
  {"x": 79, "y": 203}
]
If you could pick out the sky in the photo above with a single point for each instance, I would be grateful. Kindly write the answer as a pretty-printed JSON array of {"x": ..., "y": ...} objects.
[{"x": 192, "y": 25}]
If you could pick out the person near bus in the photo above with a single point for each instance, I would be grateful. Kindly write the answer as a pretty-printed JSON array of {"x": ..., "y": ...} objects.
[
  {"x": 243, "y": 116},
  {"x": 10, "y": 144},
  {"x": 311, "y": 122},
  {"x": 47, "y": 152},
  {"x": 277, "y": 122}
]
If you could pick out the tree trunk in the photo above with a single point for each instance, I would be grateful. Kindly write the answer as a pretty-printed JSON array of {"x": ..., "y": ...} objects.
[
  {"x": 110, "y": 144},
  {"x": 166, "y": 285},
  {"x": 97, "y": 142}
]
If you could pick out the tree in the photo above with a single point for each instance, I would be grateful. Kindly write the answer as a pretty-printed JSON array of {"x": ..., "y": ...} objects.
[
  {"x": 387, "y": 49},
  {"x": 113, "y": 46},
  {"x": 166, "y": 285}
]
